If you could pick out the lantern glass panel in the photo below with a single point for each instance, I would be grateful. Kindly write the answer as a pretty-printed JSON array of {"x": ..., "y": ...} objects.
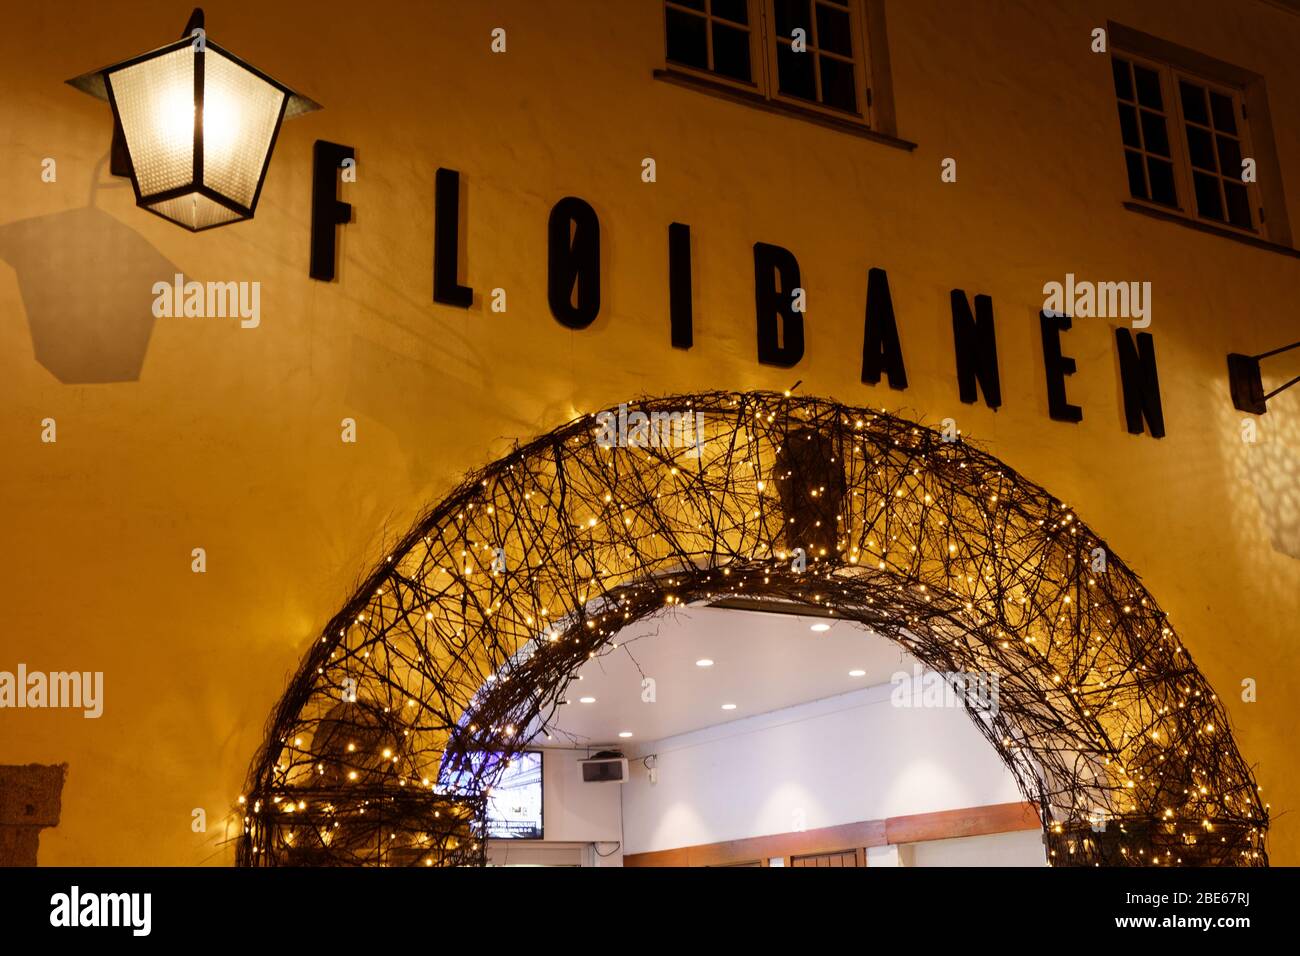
[
  {"x": 194, "y": 211},
  {"x": 155, "y": 103},
  {"x": 240, "y": 114}
]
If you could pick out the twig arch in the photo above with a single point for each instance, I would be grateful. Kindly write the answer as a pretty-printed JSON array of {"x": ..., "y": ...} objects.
[{"x": 469, "y": 631}]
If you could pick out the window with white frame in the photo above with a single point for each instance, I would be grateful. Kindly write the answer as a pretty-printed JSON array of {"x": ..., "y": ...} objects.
[
  {"x": 712, "y": 36},
  {"x": 1185, "y": 140},
  {"x": 824, "y": 68},
  {"x": 804, "y": 53}
]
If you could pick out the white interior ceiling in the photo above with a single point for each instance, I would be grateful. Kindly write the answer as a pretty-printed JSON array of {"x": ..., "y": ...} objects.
[{"x": 761, "y": 662}]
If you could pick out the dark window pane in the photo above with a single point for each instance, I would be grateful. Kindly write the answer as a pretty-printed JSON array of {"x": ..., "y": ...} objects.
[
  {"x": 1194, "y": 103},
  {"x": 791, "y": 14},
  {"x": 1148, "y": 86},
  {"x": 1162, "y": 181},
  {"x": 1200, "y": 148},
  {"x": 837, "y": 84},
  {"x": 833, "y": 30},
  {"x": 795, "y": 71},
  {"x": 1137, "y": 182},
  {"x": 731, "y": 51},
  {"x": 1128, "y": 125},
  {"x": 687, "y": 41},
  {"x": 1154, "y": 135},
  {"x": 1123, "y": 79},
  {"x": 693, "y": 4},
  {"x": 737, "y": 11},
  {"x": 1229, "y": 156},
  {"x": 1238, "y": 204},
  {"x": 1224, "y": 119},
  {"x": 1208, "y": 203}
]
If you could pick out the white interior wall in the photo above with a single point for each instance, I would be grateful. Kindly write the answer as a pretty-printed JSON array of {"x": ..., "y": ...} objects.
[
  {"x": 1022, "y": 848},
  {"x": 577, "y": 812},
  {"x": 840, "y": 760}
]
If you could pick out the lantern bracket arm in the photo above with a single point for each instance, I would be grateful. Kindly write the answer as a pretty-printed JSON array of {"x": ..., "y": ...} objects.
[
  {"x": 1246, "y": 381},
  {"x": 195, "y": 22}
]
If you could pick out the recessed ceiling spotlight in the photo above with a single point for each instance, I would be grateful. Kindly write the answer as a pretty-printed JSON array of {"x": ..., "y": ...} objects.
[
  {"x": 857, "y": 673},
  {"x": 704, "y": 662},
  {"x": 586, "y": 700},
  {"x": 728, "y": 706},
  {"x": 625, "y": 733},
  {"x": 820, "y": 627}
]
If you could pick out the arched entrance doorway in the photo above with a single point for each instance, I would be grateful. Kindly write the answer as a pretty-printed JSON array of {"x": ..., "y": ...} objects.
[{"x": 469, "y": 631}]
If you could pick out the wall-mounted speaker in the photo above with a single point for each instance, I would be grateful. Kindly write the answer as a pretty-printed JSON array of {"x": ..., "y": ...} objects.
[{"x": 605, "y": 769}]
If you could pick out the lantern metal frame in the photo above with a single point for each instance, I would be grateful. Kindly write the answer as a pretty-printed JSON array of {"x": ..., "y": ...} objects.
[{"x": 97, "y": 83}]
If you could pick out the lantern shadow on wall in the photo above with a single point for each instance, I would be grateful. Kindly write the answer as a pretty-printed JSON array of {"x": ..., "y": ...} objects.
[
  {"x": 90, "y": 315},
  {"x": 1273, "y": 467},
  {"x": 1273, "y": 463}
]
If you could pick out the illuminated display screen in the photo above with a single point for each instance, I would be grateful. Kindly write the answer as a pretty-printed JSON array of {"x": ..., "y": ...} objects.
[{"x": 514, "y": 810}]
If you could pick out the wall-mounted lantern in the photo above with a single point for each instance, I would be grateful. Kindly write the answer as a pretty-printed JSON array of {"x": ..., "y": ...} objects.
[
  {"x": 1247, "y": 382},
  {"x": 193, "y": 127}
]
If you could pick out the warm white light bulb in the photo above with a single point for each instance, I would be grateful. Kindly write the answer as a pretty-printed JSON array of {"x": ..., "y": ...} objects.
[{"x": 175, "y": 119}]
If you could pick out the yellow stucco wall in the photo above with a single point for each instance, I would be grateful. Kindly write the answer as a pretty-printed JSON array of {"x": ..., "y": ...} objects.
[{"x": 228, "y": 439}]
